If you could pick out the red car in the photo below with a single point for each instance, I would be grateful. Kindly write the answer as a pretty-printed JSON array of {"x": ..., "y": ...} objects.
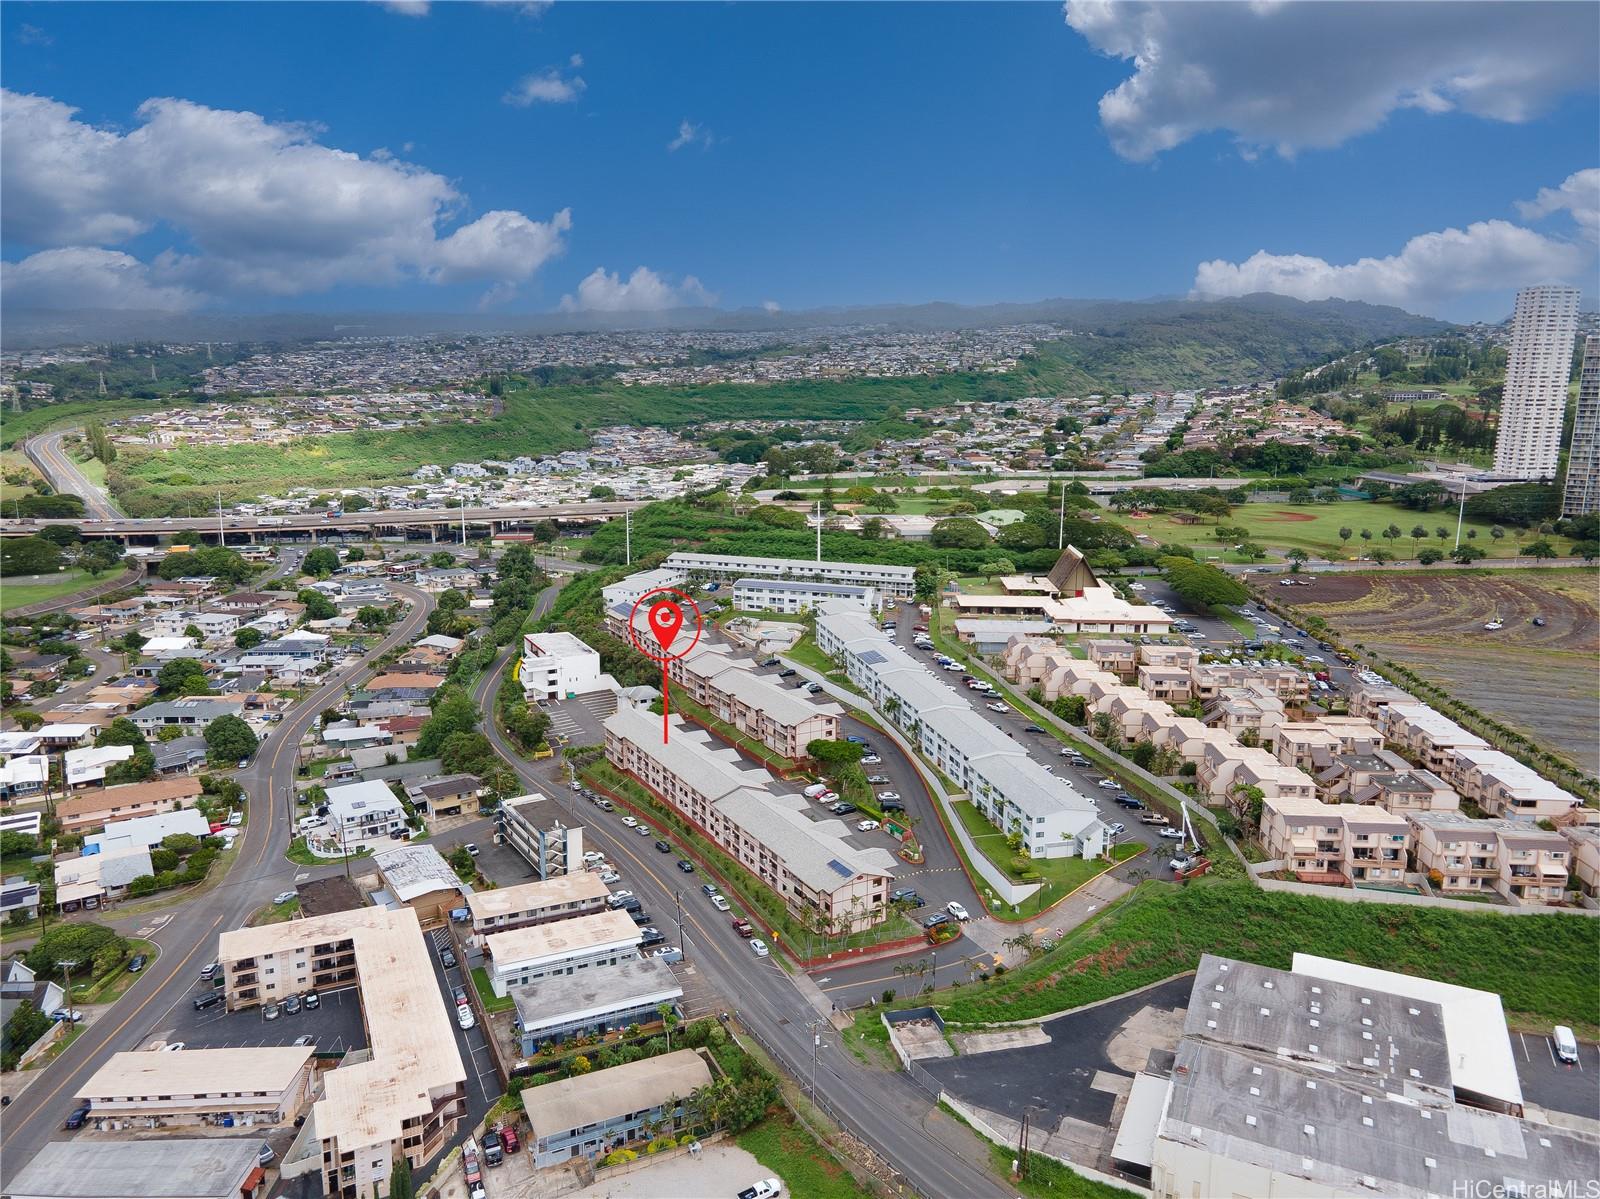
[
  {"x": 508, "y": 1139},
  {"x": 743, "y": 927}
]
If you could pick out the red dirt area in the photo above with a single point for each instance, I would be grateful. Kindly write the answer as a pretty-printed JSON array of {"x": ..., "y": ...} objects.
[{"x": 1286, "y": 517}]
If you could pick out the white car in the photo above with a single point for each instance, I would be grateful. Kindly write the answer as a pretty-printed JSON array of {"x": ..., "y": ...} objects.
[
  {"x": 173, "y": 1046},
  {"x": 759, "y": 947},
  {"x": 871, "y": 760},
  {"x": 465, "y": 1018},
  {"x": 610, "y": 876},
  {"x": 1109, "y": 784},
  {"x": 619, "y": 896},
  {"x": 1172, "y": 834},
  {"x": 719, "y": 903},
  {"x": 959, "y": 912},
  {"x": 765, "y": 1189},
  {"x": 888, "y": 795},
  {"x": 1116, "y": 830},
  {"x": 867, "y": 826},
  {"x": 593, "y": 857},
  {"x": 629, "y": 822},
  {"x": 236, "y": 819},
  {"x": 997, "y": 707},
  {"x": 284, "y": 896}
]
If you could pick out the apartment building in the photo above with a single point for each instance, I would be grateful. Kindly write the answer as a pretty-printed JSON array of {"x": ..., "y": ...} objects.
[
  {"x": 99, "y": 807},
  {"x": 593, "y": 1002},
  {"x": 1544, "y": 326},
  {"x": 1170, "y": 684},
  {"x": 1388, "y": 780},
  {"x": 213, "y": 626},
  {"x": 1582, "y": 493},
  {"x": 532, "y": 826},
  {"x": 792, "y": 596},
  {"x": 502, "y": 909},
  {"x": 91, "y": 881},
  {"x": 1312, "y": 745},
  {"x": 148, "y": 832},
  {"x": 360, "y": 816},
  {"x": 206, "y": 1167},
  {"x": 1508, "y": 858},
  {"x": 187, "y": 714},
  {"x": 1238, "y": 710},
  {"x": 1335, "y": 843},
  {"x": 591, "y": 1114},
  {"x": 1114, "y": 657},
  {"x": 557, "y": 666},
  {"x": 1013, "y": 791},
  {"x": 1285, "y": 683},
  {"x": 261, "y": 1085},
  {"x": 891, "y": 582},
  {"x": 808, "y": 863},
  {"x": 408, "y": 1094},
  {"x": 1171, "y": 657},
  {"x": 1585, "y": 842},
  {"x": 626, "y": 592},
  {"x": 1427, "y": 737},
  {"x": 592, "y": 942},
  {"x": 1503, "y": 786}
]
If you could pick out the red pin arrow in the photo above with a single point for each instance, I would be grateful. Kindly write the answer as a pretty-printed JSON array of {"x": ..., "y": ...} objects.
[{"x": 666, "y": 619}]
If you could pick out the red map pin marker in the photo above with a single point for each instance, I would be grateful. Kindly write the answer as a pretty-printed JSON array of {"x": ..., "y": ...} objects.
[{"x": 666, "y": 619}]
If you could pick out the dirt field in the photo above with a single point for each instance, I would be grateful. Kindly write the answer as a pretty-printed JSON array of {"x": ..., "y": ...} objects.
[{"x": 1541, "y": 680}]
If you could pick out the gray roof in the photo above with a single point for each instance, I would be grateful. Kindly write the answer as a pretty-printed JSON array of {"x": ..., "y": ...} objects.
[
  {"x": 796, "y": 585},
  {"x": 122, "y": 869},
  {"x": 1351, "y": 1138},
  {"x": 558, "y": 997},
  {"x": 167, "y": 1168},
  {"x": 603, "y": 1095},
  {"x": 180, "y": 751},
  {"x": 191, "y": 709},
  {"x": 1392, "y": 1040}
]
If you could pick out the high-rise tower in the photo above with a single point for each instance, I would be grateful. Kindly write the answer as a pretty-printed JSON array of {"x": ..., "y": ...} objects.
[
  {"x": 1543, "y": 326},
  {"x": 1582, "y": 494}
]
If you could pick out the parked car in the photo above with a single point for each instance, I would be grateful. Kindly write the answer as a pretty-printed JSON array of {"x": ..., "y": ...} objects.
[
  {"x": 271, "y": 1011},
  {"x": 1108, "y": 784},
  {"x": 938, "y": 918},
  {"x": 283, "y": 897},
  {"x": 743, "y": 927},
  {"x": 999, "y": 707},
  {"x": 1116, "y": 829},
  {"x": 67, "y": 1015},
  {"x": 493, "y": 1155},
  {"x": 708, "y": 889},
  {"x": 472, "y": 849},
  {"x": 867, "y": 826},
  {"x": 877, "y": 780},
  {"x": 685, "y": 865},
  {"x": 663, "y": 846},
  {"x": 1031, "y": 728},
  {"x": 307, "y": 1039},
  {"x": 765, "y": 1189},
  {"x": 719, "y": 903},
  {"x": 1129, "y": 802},
  {"x": 629, "y": 822},
  {"x": 211, "y": 970},
  {"x": 76, "y": 1118},
  {"x": 871, "y": 760},
  {"x": 465, "y": 1018},
  {"x": 1172, "y": 834},
  {"x": 460, "y": 994},
  {"x": 139, "y": 962},
  {"x": 312, "y": 1001},
  {"x": 888, "y": 795},
  {"x": 652, "y": 936},
  {"x": 906, "y": 895},
  {"x": 291, "y": 1006},
  {"x": 508, "y": 1139},
  {"x": 1566, "y": 1044},
  {"x": 959, "y": 912},
  {"x": 759, "y": 947},
  {"x": 842, "y": 809},
  {"x": 788, "y": 672},
  {"x": 892, "y": 805},
  {"x": 668, "y": 953},
  {"x": 618, "y": 898},
  {"x": 644, "y": 830},
  {"x": 447, "y": 957},
  {"x": 610, "y": 876}
]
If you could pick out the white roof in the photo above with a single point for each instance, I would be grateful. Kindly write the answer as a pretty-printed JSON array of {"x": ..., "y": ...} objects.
[
  {"x": 33, "y": 768},
  {"x": 157, "y": 646},
  {"x": 85, "y": 765},
  {"x": 352, "y": 798},
  {"x": 144, "y": 831},
  {"x": 65, "y": 732},
  {"x": 1475, "y": 1033},
  {"x": 253, "y": 1071},
  {"x": 13, "y": 741},
  {"x": 412, "y": 870}
]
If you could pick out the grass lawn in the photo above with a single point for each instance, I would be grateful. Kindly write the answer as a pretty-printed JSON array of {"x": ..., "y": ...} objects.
[
  {"x": 1542, "y": 966},
  {"x": 491, "y": 1001},
  {"x": 1059, "y": 876},
  {"x": 276, "y": 913},
  {"x": 1315, "y": 529},
  {"x": 17, "y": 595},
  {"x": 114, "y": 982},
  {"x": 1048, "y": 1178},
  {"x": 794, "y": 1155},
  {"x": 1239, "y": 624},
  {"x": 806, "y": 653},
  {"x": 56, "y": 1050},
  {"x": 302, "y": 856}
]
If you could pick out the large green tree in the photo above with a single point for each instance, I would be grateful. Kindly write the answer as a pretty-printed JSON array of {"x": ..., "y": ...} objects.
[
  {"x": 182, "y": 676},
  {"x": 230, "y": 739}
]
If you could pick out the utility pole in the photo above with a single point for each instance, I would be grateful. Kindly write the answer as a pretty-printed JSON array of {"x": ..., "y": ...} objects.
[
  {"x": 222, "y": 536},
  {"x": 1061, "y": 519},
  {"x": 66, "y": 969},
  {"x": 819, "y": 530},
  {"x": 463, "y": 522},
  {"x": 627, "y": 536},
  {"x": 812, "y": 1027},
  {"x": 1461, "y": 513}
]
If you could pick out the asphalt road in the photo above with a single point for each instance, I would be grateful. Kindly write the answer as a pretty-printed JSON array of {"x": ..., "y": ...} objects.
[
  {"x": 884, "y": 1109},
  {"x": 58, "y": 467},
  {"x": 189, "y": 939}
]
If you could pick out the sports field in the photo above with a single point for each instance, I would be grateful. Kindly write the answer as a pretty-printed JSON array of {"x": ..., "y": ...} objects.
[{"x": 1315, "y": 528}]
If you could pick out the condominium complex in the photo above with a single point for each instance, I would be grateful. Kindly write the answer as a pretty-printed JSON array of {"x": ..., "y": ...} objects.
[
  {"x": 1543, "y": 327},
  {"x": 265, "y": 1084},
  {"x": 892, "y": 582},
  {"x": 532, "y": 826},
  {"x": 790, "y": 596},
  {"x": 407, "y": 1096},
  {"x": 808, "y": 863},
  {"x": 502, "y": 909},
  {"x": 1582, "y": 494},
  {"x": 1013, "y": 792},
  {"x": 1517, "y": 861},
  {"x": 557, "y": 666},
  {"x": 578, "y": 943}
]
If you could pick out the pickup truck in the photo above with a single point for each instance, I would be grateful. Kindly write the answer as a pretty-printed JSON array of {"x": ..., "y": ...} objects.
[
  {"x": 1153, "y": 818},
  {"x": 743, "y": 927}
]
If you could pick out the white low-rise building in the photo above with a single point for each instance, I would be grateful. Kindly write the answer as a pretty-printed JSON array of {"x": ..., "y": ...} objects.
[
  {"x": 792, "y": 596},
  {"x": 892, "y": 582},
  {"x": 627, "y": 591},
  {"x": 360, "y": 816},
  {"x": 590, "y": 942},
  {"x": 558, "y": 666}
]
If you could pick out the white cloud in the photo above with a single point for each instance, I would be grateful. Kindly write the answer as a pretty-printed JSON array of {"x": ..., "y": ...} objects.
[
  {"x": 771, "y": 306},
  {"x": 408, "y": 8},
  {"x": 1311, "y": 75},
  {"x": 549, "y": 86},
  {"x": 690, "y": 134},
  {"x": 1578, "y": 194},
  {"x": 32, "y": 35},
  {"x": 1430, "y": 269},
  {"x": 643, "y": 291},
  {"x": 81, "y": 276},
  {"x": 261, "y": 207}
]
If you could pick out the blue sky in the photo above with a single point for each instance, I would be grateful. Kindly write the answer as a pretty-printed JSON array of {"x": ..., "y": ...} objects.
[{"x": 833, "y": 154}]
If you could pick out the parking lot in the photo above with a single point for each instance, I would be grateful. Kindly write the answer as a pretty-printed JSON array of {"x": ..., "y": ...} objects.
[
  {"x": 335, "y": 1023},
  {"x": 1553, "y": 1084}
]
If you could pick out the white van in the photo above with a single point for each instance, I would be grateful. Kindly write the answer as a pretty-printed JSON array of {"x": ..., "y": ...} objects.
[
  {"x": 1566, "y": 1044},
  {"x": 813, "y": 791},
  {"x": 307, "y": 823}
]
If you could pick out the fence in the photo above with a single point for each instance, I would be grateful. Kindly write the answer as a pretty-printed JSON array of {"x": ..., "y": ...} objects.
[{"x": 1350, "y": 895}]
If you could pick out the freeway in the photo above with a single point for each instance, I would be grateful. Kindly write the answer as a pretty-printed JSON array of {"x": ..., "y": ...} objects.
[
  {"x": 188, "y": 941},
  {"x": 57, "y": 466},
  {"x": 884, "y": 1109}
]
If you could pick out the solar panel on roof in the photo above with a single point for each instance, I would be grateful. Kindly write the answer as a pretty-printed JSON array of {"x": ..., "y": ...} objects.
[
  {"x": 840, "y": 868},
  {"x": 872, "y": 657}
]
